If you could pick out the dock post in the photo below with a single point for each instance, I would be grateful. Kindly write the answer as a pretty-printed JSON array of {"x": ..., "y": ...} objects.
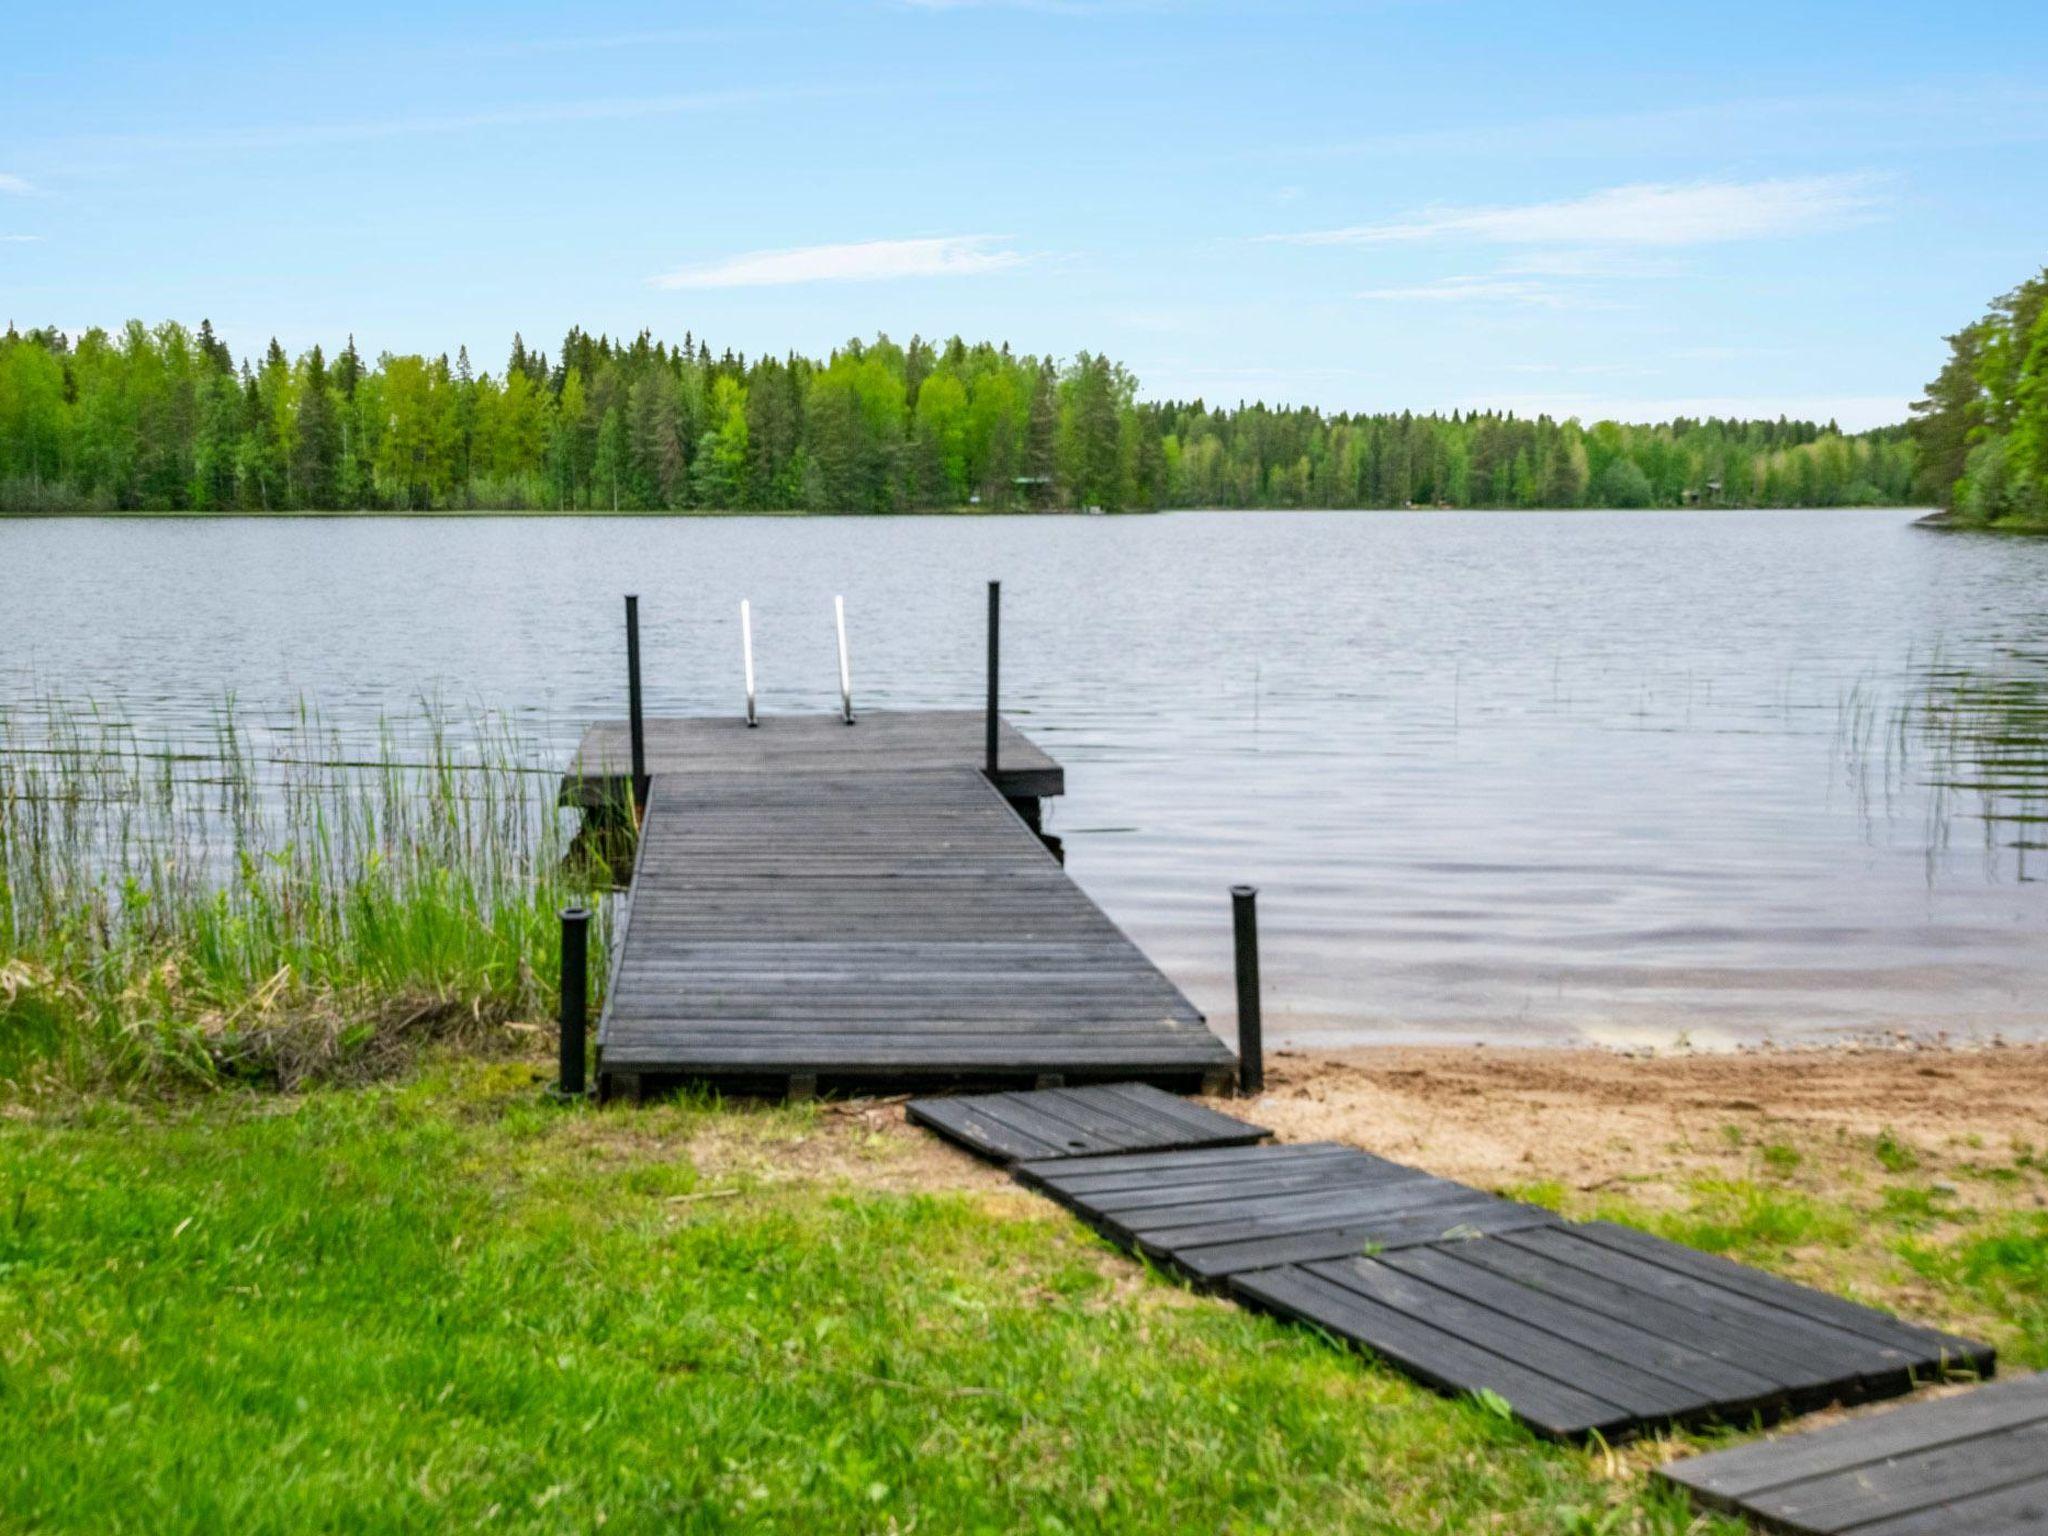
[
  {"x": 575, "y": 1011},
  {"x": 747, "y": 654},
  {"x": 637, "y": 724},
  {"x": 1251, "y": 1049},
  {"x": 995, "y": 651},
  {"x": 845, "y": 666}
]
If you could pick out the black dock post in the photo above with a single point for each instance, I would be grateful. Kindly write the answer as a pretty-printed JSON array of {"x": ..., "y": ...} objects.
[
  {"x": 575, "y": 1011},
  {"x": 638, "y": 726},
  {"x": 995, "y": 651},
  {"x": 1251, "y": 1049}
]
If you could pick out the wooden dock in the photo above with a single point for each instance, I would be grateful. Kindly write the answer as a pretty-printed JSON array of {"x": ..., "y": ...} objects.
[{"x": 816, "y": 905}]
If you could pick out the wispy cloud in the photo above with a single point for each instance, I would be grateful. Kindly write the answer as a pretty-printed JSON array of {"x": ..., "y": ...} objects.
[
  {"x": 1647, "y": 213},
  {"x": 20, "y": 186},
  {"x": 1971, "y": 113},
  {"x": 1472, "y": 290},
  {"x": 539, "y": 114},
  {"x": 866, "y": 261},
  {"x": 20, "y": 239}
]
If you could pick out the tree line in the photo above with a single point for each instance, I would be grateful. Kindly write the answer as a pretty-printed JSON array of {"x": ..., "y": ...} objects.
[
  {"x": 1982, "y": 430},
  {"x": 166, "y": 418}
]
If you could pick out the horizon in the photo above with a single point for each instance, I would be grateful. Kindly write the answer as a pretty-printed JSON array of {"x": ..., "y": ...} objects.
[{"x": 1357, "y": 210}]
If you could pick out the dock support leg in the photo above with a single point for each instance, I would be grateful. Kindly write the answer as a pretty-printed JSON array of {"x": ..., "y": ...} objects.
[
  {"x": 995, "y": 656},
  {"x": 575, "y": 1010},
  {"x": 1251, "y": 1046},
  {"x": 634, "y": 720}
]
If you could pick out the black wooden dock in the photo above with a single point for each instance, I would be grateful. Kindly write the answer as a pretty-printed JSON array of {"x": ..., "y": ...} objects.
[
  {"x": 1971, "y": 1465},
  {"x": 1581, "y": 1328},
  {"x": 816, "y": 905}
]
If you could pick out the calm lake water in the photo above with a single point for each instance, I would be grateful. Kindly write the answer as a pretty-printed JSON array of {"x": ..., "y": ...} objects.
[{"x": 1522, "y": 777}]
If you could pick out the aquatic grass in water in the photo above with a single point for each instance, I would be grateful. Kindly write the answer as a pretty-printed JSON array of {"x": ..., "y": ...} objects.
[
  {"x": 271, "y": 905},
  {"x": 1975, "y": 739}
]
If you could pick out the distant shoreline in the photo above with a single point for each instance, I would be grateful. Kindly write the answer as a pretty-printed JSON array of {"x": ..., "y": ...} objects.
[{"x": 1936, "y": 519}]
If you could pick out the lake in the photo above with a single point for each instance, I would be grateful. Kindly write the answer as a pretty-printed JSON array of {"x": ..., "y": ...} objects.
[{"x": 1633, "y": 778}]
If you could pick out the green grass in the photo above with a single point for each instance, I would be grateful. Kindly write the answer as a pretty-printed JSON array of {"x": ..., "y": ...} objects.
[{"x": 441, "y": 1304}]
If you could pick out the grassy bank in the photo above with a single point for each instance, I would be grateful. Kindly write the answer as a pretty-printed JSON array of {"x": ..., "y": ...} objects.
[
  {"x": 275, "y": 905},
  {"x": 441, "y": 1304}
]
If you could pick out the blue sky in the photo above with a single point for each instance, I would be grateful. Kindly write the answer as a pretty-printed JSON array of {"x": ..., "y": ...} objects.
[{"x": 1593, "y": 209}]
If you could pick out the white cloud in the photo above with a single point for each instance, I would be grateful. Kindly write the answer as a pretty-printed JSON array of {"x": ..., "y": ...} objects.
[
  {"x": 21, "y": 186},
  {"x": 866, "y": 261},
  {"x": 1648, "y": 213},
  {"x": 1472, "y": 290},
  {"x": 19, "y": 239}
]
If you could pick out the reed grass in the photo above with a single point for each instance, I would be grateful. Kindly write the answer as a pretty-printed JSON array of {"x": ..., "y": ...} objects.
[{"x": 273, "y": 904}]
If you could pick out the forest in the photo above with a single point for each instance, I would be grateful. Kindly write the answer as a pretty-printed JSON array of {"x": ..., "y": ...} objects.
[
  {"x": 166, "y": 418},
  {"x": 1982, "y": 430}
]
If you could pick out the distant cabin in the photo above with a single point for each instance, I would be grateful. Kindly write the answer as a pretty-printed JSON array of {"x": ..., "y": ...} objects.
[{"x": 1033, "y": 490}]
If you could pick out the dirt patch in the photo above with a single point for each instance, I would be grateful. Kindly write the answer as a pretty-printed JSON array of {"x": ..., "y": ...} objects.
[
  {"x": 1588, "y": 1119},
  {"x": 1595, "y": 1119},
  {"x": 862, "y": 1141}
]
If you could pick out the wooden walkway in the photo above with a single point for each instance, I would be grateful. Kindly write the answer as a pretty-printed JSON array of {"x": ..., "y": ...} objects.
[
  {"x": 1582, "y": 1328},
  {"x": 1072, "y": 1122},
  {"x": 854, "y": 907},
  {"x": 1211, "y": 1215},
  {"x": 1971, "y": 1465}
]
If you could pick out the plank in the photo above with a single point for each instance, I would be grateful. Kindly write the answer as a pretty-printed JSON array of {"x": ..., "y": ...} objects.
[
  {"x": 1709, "y": 1379},
  {"x": 1906, "y": 1484},
  {"x": 1059, "y": 1123},
  {"x": 1976, "y": 1462},
  {"x": 1217, "y": 1263},
  {"x": 1526, "y": 1335},
  {"x": 1665, "y": 1357},
  {"x": 1435, "y": 1356},
  {"x": 1827, "y": 1358},
  {"x": 1747, "y": 1469},
  {"x": 2020, "y": 1509},
  {"x": 1835, "y": 1311},
  {"x": 1210, "y": 1215}
]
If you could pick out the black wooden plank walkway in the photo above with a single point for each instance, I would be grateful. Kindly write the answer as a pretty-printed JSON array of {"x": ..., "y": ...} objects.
[
  {"x": 833, "y": 915},
  {"x": 1078, "y": 1122},
  {"x": 1583, "y": 1328},
  {"x": 1214, "y": 1214},
  {"x": 1593, "y": 1328},
  {"x": 1971, "y": 1465}
]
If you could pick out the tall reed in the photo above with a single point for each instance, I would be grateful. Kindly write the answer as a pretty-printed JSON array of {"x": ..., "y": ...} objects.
[{"x": 270, "y": 904}]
